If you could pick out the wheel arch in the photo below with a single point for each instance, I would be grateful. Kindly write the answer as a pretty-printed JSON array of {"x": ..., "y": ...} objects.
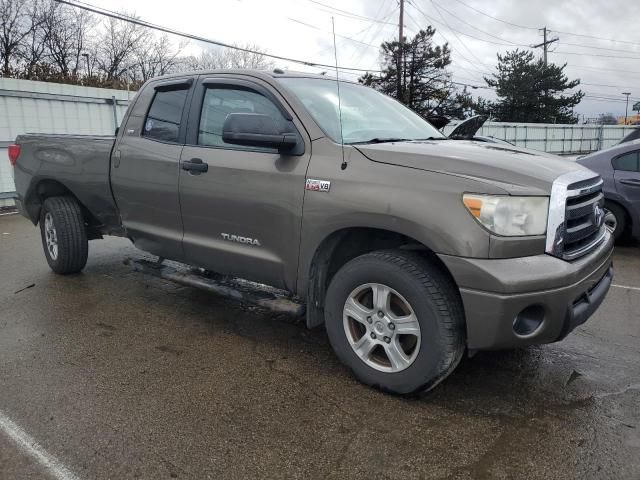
[
  {"x": 341, "y": 246},
  {"x": 632, "y": 224},
  {"x": 46, "y": 188}
]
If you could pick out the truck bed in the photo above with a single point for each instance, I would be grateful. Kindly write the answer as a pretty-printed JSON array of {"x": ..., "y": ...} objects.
[{"x": 80, "y": 163}]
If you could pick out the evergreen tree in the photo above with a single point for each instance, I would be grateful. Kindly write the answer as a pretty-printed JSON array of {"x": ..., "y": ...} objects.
[
  {"x": 529, "y": 91},
  {"x": 424, "y": 81}
]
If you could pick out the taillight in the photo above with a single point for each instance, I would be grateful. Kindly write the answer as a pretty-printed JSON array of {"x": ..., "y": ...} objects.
[{"x": 14, "y": 153}]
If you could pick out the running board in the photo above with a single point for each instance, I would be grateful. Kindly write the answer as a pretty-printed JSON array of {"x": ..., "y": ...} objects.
[{"x": 234, "y": 288}]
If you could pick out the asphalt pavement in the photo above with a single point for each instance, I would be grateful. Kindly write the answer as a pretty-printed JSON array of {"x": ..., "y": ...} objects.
[{"x": 111, "y": 374}]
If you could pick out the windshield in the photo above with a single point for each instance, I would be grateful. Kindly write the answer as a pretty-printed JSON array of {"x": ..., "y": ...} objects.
[{"x": 367, "y": 115}]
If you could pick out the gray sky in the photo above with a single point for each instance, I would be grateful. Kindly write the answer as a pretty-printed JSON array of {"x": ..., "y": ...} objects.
[{"x": 302, "y": 29}]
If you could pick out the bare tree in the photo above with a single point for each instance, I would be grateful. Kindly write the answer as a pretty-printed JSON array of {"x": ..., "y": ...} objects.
[
  {"x": 33, "y": 50},
  {"x": 117, "y": 45},
  {"x": 67, "y": 30},
  {"x": 157, "y": 57},
  {"x": 15, "y": 25},
  {"x": 48, "y": 41},
  {"x": 218, "y": 57}
]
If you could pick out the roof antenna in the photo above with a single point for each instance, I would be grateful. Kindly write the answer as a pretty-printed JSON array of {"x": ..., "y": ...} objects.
[{"x": 343, "y": 166}]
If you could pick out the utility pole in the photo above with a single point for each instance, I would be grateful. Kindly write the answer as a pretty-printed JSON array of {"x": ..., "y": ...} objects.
[
  {"x": 626, "y": 107},
  {"x": 545, "y": 44},
  {"x": 400, "y": 51}
]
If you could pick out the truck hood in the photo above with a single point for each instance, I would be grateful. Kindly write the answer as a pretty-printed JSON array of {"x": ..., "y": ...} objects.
[{"x": 514, "y": 169}]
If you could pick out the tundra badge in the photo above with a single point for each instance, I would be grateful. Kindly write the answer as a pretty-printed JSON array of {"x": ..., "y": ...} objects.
[
  {"x": 239, "y": 239},
  {"x": 317, "y": 185}
]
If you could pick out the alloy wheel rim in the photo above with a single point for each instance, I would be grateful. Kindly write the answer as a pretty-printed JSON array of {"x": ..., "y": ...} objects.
[
  {"x": 381, "y": 327},
  {"x": 51, "y": 236}
]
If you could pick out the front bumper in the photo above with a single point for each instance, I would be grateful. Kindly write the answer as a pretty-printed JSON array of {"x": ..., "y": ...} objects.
[{"x": 494, "y": 292}]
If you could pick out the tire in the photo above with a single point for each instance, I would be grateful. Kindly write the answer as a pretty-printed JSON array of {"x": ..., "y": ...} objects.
[
  {"x": 64, "y": 236},
  {"x": 433, "y": 301},
  {"x": 615, "y": 218}
]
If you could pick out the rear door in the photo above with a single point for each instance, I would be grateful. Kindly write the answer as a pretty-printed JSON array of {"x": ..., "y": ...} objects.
[
  {"x": 145, "y": 167},
  {"x": 627, "y": 177},
  {"x": 242, "y": 215}
]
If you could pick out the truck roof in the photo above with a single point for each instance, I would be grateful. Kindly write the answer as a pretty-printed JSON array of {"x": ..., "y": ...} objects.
[{"x": 265, "y": 74}]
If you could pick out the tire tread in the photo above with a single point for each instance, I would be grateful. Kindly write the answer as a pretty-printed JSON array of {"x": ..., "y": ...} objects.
[
  {"x": 444, "y": 298},
  {"x": 73, "y": 246}
]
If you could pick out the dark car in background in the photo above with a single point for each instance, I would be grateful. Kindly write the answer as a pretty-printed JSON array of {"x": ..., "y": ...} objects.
[
  {"x": 634, "y": 135},
  {"x": 619, "y": 166},
  {"x": 467, "y": 130}
]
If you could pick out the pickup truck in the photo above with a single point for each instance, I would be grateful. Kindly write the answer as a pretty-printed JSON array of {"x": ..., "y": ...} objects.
[{"x": 411, "y": 248}]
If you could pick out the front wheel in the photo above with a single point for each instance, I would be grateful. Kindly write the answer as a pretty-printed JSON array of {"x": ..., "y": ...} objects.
[
  {"x": 395, "y": 318},
  {"x": 64, "y": 236}
]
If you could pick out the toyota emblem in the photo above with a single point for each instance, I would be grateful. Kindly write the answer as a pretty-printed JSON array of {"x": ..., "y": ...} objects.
[{"x": 597, "y": 214}]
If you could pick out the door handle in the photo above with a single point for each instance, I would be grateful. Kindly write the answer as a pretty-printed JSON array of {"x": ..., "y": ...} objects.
[
  {"x": 196, "y": 166},
  {"x": 630, "y": 181},
  {"x": 116, "y": 158}
]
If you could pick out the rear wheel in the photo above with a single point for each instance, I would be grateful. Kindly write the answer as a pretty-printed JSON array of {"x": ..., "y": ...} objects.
[
  {"x": 396, "y": 320},
  {"x": 64, "y": 236}
]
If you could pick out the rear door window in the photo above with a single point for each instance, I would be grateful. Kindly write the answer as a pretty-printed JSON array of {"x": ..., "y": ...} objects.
[
  {"x": 165, "y": 115},
  {"x": 629, "y": 162}
]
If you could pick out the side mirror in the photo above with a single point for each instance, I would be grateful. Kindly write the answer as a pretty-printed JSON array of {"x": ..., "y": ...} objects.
[{"x": 256, "y": 130}]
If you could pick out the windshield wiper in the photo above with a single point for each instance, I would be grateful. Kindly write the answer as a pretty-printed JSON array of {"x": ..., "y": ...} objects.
[
  {"x": 392, "y": 139},
  {"x": 381, "y": 140},
  {"x": 430, "y": 138}
]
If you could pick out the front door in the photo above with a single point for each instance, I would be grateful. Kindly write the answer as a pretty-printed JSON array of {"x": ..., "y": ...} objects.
[
  {"x": 145, "y": 167},
  {"x": 242, "y": 215}
]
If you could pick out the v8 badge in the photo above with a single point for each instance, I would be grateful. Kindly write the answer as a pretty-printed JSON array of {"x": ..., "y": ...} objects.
[{"x": 317, "y": 185}]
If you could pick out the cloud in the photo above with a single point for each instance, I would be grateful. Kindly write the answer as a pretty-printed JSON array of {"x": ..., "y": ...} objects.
[{"x": 279, "y": 27}]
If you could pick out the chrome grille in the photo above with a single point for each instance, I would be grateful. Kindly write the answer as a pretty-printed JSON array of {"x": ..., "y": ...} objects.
[{"x": 575, "y": 226}]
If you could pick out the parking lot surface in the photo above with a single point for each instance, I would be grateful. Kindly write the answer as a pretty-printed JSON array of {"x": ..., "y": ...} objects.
[{"x": 112, "y": 374}]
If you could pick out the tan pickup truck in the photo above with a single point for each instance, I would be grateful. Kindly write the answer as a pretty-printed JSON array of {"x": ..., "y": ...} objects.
[{"x": 411, "y": 248}]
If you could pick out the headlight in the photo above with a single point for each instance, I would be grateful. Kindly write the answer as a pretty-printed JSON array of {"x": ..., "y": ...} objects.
[{"x": 509, "y": 216}]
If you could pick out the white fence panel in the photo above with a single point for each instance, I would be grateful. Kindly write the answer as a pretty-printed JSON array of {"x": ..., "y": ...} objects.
[
  {"x": 40, "y": 107},
  {"x": 554, "y": 138}
]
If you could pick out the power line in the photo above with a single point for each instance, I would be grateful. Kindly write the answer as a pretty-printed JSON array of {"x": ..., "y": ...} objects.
[
  {"x": 607, "y": 99},
  {"x": 445, "y": 39},
  {"x": 379, "y": 29},
  {"x": 596, "y": 38},
  {"x": 495, "y": 18},
  {"x": 137, "y": 21},
  {"x": 595, "y": 55},
  {"x": 457, "y": 17},
  {"x": 606, "y": 69},
  {"x": 590, "y": 95},
  {"x": 455, "y": 34},
  {"x": 439, "y": 32},
  {"x": 326, "y": 31},
  {"x": 142, "y": 23},
  {"x": 384, "y": 19},
  {"x": 431, "y": 19},
  {"x": 606, "y": 86},
  {"x": 556, "y": 31},
  {"x": 350, "y": 14},
  {"x": 594, "y": 47}
]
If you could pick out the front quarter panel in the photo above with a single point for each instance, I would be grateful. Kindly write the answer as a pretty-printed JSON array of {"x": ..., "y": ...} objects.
[{"x": 425, "y": 206}]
